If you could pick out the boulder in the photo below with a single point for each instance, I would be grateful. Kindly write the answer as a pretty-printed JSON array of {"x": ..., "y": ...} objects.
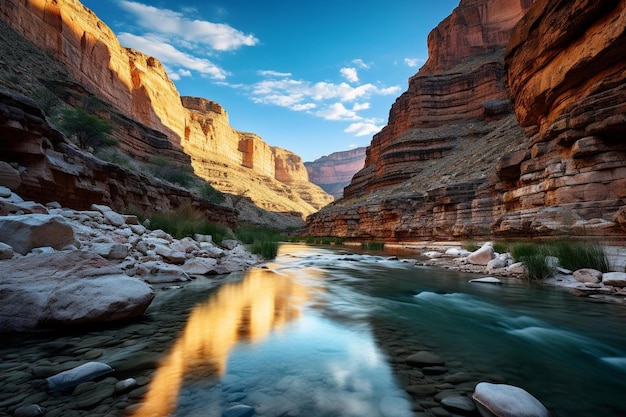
[
  {"x": 616, "y": 279},
  {"x": 6, "y": 251},
  {"x": 9, "y": 176},
  {"x": 25, "y": 232},
  {"x": 424, "y": 358},
  {"x": 67, "y": 288},
  {"x": 501, "y": 400},
  {"x": 482, "y": 256},
  {"x": 588, "y": 275}
]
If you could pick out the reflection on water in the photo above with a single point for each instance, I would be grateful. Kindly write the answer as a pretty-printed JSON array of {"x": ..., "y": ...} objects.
[
  {"x": 296, "y": 339},
  {"x": 244, "y": 311}
]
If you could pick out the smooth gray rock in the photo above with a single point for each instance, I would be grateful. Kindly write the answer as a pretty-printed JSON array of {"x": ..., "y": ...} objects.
[
  {"x": 424, "y": 358},
  {"x": 482, "y": 256},
  {"x": 588, "y": 275},
  {"x": 73, "y": 377},
  {"x": 27, "y": 231},
  {"x": 486, "y": 280},
  {"x": 459, "y": 404},
  {"x": 616, "y": 279},
  {"x": 501, "y": 400},
  {"x": 67, "y": 288},
  {"x": 32, "y": 410},
  {"x": 239, "y": 411}
]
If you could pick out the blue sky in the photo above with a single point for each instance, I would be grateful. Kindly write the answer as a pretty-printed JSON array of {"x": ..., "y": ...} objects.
[{"x": 311, "y": 77}]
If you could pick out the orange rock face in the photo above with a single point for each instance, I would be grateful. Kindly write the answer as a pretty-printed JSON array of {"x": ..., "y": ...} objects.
[
  {"x": 454, "y": 90},
  {"x": 566, "y": 75},
  {"x": 138, "y": 87}
]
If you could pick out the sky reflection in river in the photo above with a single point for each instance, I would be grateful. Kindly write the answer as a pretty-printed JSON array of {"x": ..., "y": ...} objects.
[{"x": 263, "y": 342}]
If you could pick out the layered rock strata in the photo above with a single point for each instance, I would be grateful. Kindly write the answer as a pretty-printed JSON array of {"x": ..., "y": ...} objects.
[
  {"x": 148, "y": 112},
  {"x": 560, "y": 173},
  {"x": 442, "y": 141},
  {"x": 40, "y": 164},
  {"x": 333, "y": 172},
  {"x": 567, "y": 75}
]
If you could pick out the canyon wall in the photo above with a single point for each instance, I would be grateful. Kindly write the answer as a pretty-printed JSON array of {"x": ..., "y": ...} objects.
[
  {"x": 333, "y": 172},
  {"x": 455, "y": 163},
  {"x": 38, "y": 162},
  {"x": 149, "y": 115}
]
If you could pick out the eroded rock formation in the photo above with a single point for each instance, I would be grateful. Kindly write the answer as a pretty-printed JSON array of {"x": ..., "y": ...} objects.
[
  {"x": 147, "y": 110},
  {"x": 454, "y": 163},
  {"x": 333, "y": 172},
  {"x": 42, "y": 165}
]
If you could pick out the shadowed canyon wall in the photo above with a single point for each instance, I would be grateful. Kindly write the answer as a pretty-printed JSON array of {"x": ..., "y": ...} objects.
[
  {"x": 149, "y": 115},
  {"x": 44, "y": 165},
  {"x": 455, "y": 162}
]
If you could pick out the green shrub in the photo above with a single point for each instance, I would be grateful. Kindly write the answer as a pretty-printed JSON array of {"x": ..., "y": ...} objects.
[
  {"x": 470, "y": 245},
  {"x": 571, "y": 255},
  {"x": 161, "y": 167},
  {"x": 210, "y": 193},
  {"x": 578, "y": 255},
  {"x": 187, "y": 221},
  {"x": 89, "y": 130},
  {"x": 262, "y": 240},
  {"x": 267, "y": 249},
  {"x": 501, "y": 247},
  {"x": 373, "y": 245}
]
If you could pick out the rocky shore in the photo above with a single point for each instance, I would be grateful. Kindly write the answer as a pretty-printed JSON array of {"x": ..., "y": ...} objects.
[{"x": 65, "y": 267}]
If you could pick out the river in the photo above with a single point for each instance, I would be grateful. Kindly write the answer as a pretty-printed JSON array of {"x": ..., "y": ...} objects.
[{"x": 325, "y": 331}]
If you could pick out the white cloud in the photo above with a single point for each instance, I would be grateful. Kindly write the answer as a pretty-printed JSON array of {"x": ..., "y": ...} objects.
[
  {"x": 349, "y": 74},
  {"x": 218, "y": 36},
  {"x": 272, "y": 73},
  {"x": 170, "y": 56},
  {"x": 414, "y": 62},
  {"x": 337, "y": 111},
  {"x": 363, "y": 129},
  {"x": 359, "y": 63},
  {"x": 360, "y": 106}
]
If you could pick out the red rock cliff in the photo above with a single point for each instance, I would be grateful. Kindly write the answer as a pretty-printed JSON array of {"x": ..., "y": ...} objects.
[
  {"x": 139, "y": 88},
  {"x": 333, "y": 172},
  {"x": 441, "y": 169}
]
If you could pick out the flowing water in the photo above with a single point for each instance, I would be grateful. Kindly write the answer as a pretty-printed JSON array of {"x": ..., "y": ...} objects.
[{"x": 326, "y": 331}]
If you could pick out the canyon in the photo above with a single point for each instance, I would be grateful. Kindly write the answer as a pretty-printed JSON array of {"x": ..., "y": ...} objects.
[
  {"x": 81, "y": 63},
  {"x": 333, "y": 172},
  {"x": 513, "y": 128}
]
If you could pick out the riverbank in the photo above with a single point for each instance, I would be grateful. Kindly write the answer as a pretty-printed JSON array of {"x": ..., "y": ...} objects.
[{"x": 452, "y": 256}]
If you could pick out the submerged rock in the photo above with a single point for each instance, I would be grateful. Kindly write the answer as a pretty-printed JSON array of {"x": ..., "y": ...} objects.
[{"x": 71, "y": 378}]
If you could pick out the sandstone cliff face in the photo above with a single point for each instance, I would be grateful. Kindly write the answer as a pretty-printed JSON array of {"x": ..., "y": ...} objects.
[
  {"x": 567, "y": 75},
  {"x": 441, "y": 169},
  {"x": 449, "y": 100},
  {"x": 42, "y": 165},
  {"x": 333, "y": 172},
  {"x": 150, "y": 116}
]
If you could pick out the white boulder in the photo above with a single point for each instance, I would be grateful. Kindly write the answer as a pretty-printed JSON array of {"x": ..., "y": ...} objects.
[
  {"x": 28, "y": 231},
  {"x": 482, "y": 256},
  {"x": 67, "y": 288},
  {"x": 501, "y": 400}
]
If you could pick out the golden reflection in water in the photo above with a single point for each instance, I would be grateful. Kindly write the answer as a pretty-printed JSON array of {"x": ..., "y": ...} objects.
[{"x": 245, "y": 311}]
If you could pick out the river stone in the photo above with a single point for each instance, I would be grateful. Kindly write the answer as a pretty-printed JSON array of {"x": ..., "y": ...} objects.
[
  {"x": 588, "y": 275},
  {"x": 239, "y": 411},
  {"x": 486, "y": 280},
  {"x": 424, "y": 358},
  {"x": 501, "y": 400},
  {"x": 73, "y": 377},
  {"x": 32, "y": 410},
  {"x": 459, "y": 404},
  {"x": 125, "y": 385},
  {"x": 28, "y": 231},
  {"x": 616, "y": 279},
  {"x": 422, "y": 390}
]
